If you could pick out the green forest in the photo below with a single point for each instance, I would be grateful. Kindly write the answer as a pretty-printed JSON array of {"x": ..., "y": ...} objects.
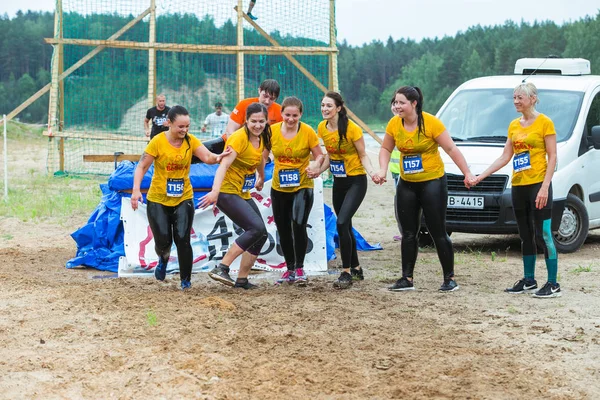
[{"x": 368, "y": 74}]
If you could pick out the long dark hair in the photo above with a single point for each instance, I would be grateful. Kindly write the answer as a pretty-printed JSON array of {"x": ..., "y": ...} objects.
[
  {"x": 342, "y": 114},
  {"x": 265, "y": 136},
  {"x": 413, "y": 93},
  {"x": 175, "y": 112}
]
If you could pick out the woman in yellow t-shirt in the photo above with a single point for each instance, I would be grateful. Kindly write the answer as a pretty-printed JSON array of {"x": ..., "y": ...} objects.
[
  {"x": 422, "y": 188},
  {"x": 531, "y": 144},
  {"x": 292, "y": 189},
  {"x": 349, "y": 163},
  {"x": 238, "y": 173},
  {"x": 170, "y": 204}
]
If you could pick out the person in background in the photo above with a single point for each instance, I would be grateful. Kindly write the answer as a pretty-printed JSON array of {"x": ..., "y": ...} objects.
[
  {"x": 250, "y": 7},
  {"x": 531, "y": 143},
  {"x": 395, "y": 170},
  {"x": 217, "y": 121},
  {"x": 268, "y": 92},
  {"x": 293, "y": 142},
  {"x": 349, "y": 163},
  {"x": 157, "y": 116},
  {"x": 170, "y": 204},
  {"x": 238, "y": 173},
  {"x": 422, "y": 188}
]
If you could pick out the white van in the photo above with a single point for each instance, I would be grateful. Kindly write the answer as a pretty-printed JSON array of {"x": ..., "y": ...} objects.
[{"x": 477, "y": 116}]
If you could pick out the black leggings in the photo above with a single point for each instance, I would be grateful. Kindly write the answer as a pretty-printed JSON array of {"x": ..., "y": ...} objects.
[
  {"x": 170, "y": 224},
  {"x": 348, "y": 193},
  {"x": 530, "y": 221},
  {"x": 291, "y": 211},
  {"x": 429, "y": 198},
  {"x": 245, "y": 214}
]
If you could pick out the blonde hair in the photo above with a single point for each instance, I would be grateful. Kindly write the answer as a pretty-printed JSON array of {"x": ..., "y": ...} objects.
[{"x": 528, "y": 89}]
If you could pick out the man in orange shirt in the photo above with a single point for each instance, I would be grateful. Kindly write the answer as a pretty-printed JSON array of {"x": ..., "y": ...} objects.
[{"x": 268, "y": 92}]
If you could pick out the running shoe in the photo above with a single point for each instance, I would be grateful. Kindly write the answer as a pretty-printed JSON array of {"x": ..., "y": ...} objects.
[
  {"x": 301, "y": 279},
  {"x": 547, "y": 291},
  {"x": 186, "y": 285},
  {"x": 449, "y": 286},
  {"x": 397, "y": 238},
  {"x": 244, "y": 284},
  {"x": 522, "y": 286},
  {"x": 252, "y": 17},
  {"x": 160, "y": 271},
  {"x": 401, "y": 285},
  {"x": 288, "y": 276},
  {"x": 357, "y": 274},
  {"x": 344, "y": 281},
  {"x": 221, "y": 274}
]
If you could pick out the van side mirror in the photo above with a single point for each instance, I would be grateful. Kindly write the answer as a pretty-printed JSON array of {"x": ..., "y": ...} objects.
[{"x": 596, "y": 136}]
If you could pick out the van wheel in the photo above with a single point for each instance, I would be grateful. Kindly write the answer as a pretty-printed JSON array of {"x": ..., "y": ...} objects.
[
  {"x": 425, "y": 239},
  {"x": 574, "y": 225}
]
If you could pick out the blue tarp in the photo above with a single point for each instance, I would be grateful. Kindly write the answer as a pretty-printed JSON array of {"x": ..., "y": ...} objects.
[{"x": 100, "y": 241}]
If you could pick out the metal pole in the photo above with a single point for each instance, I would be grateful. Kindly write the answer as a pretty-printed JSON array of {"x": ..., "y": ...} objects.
[{"x": 5, "y": 163}]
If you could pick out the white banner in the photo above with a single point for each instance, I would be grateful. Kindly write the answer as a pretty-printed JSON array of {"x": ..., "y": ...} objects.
[{"x": 213, "y": 233}]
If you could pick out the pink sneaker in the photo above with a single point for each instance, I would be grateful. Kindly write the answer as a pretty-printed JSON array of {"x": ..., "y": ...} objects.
[
  {"x": 301, "y": 278},
  {"x": 397, "y": 238},
  {"x": 287, "y": 276}
]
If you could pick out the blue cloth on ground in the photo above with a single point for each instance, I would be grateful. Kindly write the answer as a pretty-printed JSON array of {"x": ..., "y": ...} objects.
[{"x": 100, "y": 242}]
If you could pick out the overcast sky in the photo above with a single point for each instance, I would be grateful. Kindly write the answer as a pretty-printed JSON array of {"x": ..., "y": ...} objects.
[{"x": 360, "y": 21}]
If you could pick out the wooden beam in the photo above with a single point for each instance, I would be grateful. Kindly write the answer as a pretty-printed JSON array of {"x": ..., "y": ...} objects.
[
  {"x": 194, "y": 48},
  {"x": 74, "y": 67},
  {"x": 152, "y": 56},
  {"x": 96, "y": 136},
  {"x": 111, "y": 157},
  {"x": 241, "y": 87},
  {"x": 311, "y": 77}
]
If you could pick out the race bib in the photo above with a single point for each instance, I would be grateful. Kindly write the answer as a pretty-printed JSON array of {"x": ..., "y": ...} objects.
[
  {"x": 175, "y": 187},
  {"x": 249, "y": 181},
  {"x": 521, "y": 161},
  {"x": 337, "y": 168},
  {"x": 289, "y": 178},
  {"x": 412, "y": 164}
]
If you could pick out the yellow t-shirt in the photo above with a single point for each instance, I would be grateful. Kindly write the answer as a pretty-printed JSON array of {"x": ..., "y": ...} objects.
[
  {"x": 241, "y": 174},
  {"x": 420, "y": 158},
  {"x": 529, "y": 161},
  {"x": 291, "y": 158},
  {"x": 171, "y": 180},
  {"x": 345, "y": 153}
]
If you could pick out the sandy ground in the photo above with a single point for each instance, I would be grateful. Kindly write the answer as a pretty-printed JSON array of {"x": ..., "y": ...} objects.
[{"x": 85, "y": 334}]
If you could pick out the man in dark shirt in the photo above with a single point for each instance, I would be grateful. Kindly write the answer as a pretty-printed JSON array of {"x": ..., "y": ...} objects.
[{"x": 158, "y": 116}]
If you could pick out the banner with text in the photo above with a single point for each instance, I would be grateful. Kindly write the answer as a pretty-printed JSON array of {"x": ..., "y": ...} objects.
[{"x": 212, "y": 234}]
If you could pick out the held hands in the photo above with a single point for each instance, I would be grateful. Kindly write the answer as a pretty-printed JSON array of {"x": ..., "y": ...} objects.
[
  {"x": 136, "y": 196},
  {"x": 225, "y": 153},
  {"x": 542, "y": 198},
  {"x": 379, "y": 177},
  {"x": 258, "y": 185},
  {"x": 312, "y": 171},
  {"x": 471, "y": 180},
  {"x": 210, "y": 199}
]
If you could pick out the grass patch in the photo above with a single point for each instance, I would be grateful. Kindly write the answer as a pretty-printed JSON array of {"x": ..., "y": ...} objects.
[
  {"x": 42, "y": 196},
  {"x": 151, "y": 318},
  {"x": 581, "y": 269},
  {"x": 513, "y": 310}
]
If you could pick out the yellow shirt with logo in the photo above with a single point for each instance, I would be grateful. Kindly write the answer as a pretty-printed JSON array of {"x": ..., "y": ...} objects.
[
  {"x": 531, "y": 139},
  {"x": 422, "y": 144},
  {"x": 292, "y": 154},
  {"x": 347, "y": 151},
  {"x": 171, "y": 163},
  {"x": 247, "y": 161}
]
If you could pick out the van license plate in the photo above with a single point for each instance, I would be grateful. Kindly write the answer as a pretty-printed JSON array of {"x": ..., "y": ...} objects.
[{"x": 472, "y": 202}]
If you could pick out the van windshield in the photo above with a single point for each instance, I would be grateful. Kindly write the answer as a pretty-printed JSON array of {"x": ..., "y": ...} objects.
[{"x": 484, "y": 114}]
